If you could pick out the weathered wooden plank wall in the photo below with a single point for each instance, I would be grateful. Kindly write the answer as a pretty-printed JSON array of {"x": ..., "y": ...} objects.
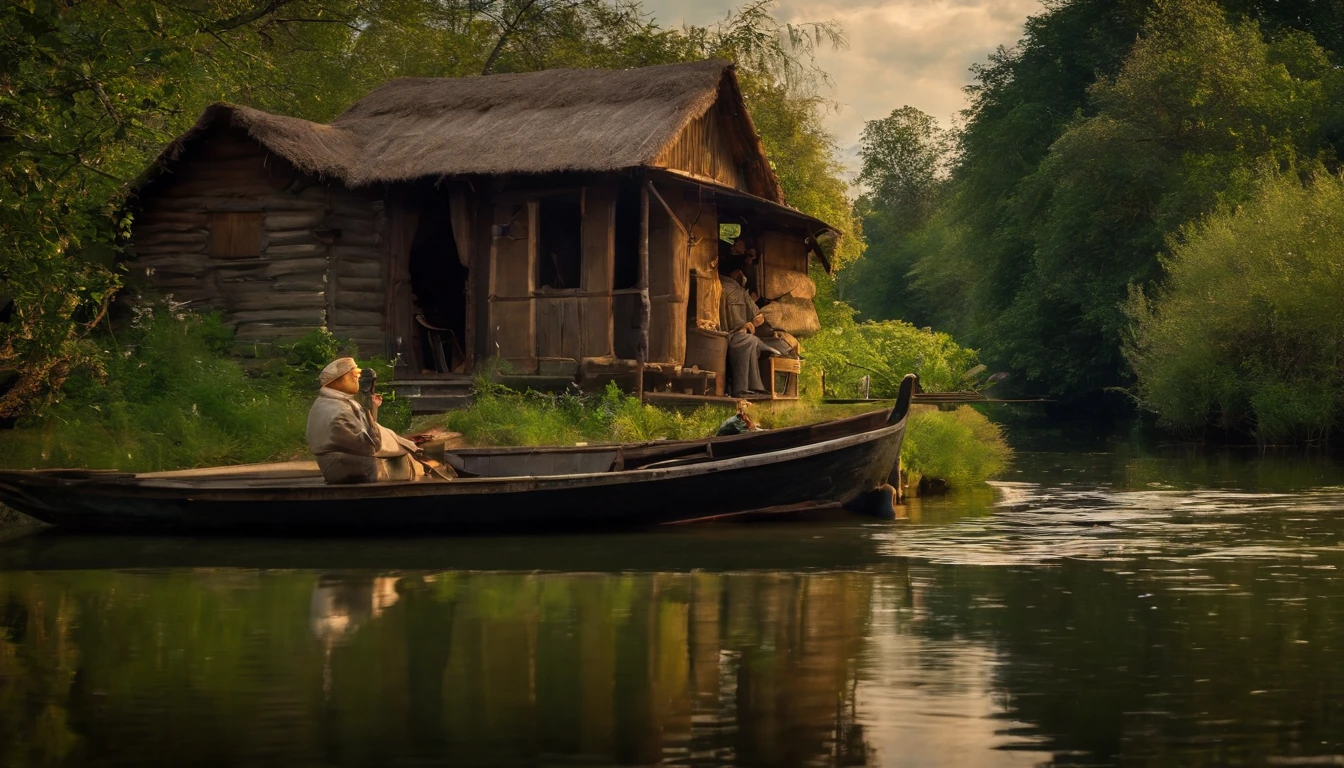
[
  {"x": 703, "y": 220},
  {"x": 669, "y": 282},
  {"x": 513, "y": 316},
  {"x": 599, "y": 263},
  {"x": 705, "y": 149}
]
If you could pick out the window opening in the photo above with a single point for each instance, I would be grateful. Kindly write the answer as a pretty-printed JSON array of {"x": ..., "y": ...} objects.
[{"x": 560, "y": 241}]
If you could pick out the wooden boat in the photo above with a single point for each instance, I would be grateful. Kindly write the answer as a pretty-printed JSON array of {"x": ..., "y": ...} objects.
[{"x": 846, "y": 463}]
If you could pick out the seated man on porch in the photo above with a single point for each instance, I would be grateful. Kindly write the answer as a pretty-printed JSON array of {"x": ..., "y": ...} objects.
[
  {"x": 748, "y": 336},
  {"x": 350, "y": 445}
]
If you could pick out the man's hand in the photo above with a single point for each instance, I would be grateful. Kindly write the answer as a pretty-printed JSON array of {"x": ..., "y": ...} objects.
[
  {"x": 377, "y": 399},
  {"x": 748, "y": 328},
  {"x": 758, "y": 320}
]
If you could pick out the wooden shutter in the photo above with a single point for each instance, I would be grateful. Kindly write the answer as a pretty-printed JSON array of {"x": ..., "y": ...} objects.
[{"x": 235, "y": 235}]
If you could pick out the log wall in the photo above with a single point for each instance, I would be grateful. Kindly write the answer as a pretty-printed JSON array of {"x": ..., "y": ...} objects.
[{"x": 237, "y": 230}]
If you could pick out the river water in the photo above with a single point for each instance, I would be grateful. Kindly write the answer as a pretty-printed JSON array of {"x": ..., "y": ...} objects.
[{"x": 1183, "y": 608}]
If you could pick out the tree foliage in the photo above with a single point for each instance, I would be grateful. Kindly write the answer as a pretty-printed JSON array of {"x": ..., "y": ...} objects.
[
  {"x": 904, "y": 176},
  {"x": 846, "y": 350},
  {"x": 1246, "y": 334}
]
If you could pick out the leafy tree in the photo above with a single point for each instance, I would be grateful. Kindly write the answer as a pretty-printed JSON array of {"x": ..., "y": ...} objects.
[
  {"x": 1021, "y": 101},
  {"x": 1245, "y": 334},
  {"x": 904, "y": 175},
  {"x": 903, "y": 155}
]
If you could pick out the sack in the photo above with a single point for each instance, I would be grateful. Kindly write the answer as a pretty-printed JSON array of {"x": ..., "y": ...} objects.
[
  {"x": 791, "y": 315},
  {"x": 783, "y": 283}
]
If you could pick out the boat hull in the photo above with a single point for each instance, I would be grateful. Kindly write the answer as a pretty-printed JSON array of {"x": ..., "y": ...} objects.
[{"x": 841, "y": 471}]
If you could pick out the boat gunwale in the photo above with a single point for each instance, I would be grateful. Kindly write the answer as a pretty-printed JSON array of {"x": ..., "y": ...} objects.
[{"x": 507, "y": 450}]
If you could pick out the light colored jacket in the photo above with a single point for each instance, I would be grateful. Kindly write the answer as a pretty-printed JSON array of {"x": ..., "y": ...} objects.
[{"x": 351, "y": 449}]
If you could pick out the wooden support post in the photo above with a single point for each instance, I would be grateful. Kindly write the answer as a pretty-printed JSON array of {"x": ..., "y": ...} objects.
[{"x": 642, "y": 353}]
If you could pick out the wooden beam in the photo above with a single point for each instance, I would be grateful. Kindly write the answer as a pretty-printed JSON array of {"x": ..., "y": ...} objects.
[
  {"x": 642, "y": 352},
  {"x": 670, "y": 213}
]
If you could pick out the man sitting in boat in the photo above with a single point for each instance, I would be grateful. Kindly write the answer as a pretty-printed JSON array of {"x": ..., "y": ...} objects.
[
  {"x": 749, "y": 337},
  {"x": 350, "y": 445}
]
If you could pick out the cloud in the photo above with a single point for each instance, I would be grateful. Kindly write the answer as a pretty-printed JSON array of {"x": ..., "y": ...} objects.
[{"x": 915, "y": 52}]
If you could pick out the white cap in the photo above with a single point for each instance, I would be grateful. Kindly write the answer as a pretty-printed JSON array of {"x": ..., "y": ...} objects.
[{"x": 335, "y": 370}]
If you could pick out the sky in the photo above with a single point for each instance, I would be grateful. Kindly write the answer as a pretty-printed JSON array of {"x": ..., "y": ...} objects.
[{"x": 915, "y": 52}]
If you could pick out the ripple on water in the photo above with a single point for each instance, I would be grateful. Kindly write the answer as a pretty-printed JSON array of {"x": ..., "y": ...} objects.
[{"x": 1041, "y": 525}]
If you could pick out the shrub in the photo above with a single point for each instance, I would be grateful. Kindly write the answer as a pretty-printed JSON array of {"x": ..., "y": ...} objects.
[
  {"x": 960, "y": 448},
  {"x": 845, "y": 350},
  {"x": 167, "y": 397},
  {"x": 1246, "y": 333}
]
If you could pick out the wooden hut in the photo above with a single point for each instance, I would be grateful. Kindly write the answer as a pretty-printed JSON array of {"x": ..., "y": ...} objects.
[{"x": 565, "y": 221}]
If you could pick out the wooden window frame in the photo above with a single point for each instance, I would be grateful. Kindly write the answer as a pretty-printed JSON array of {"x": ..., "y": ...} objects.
[{"x": 538, "y": 201}]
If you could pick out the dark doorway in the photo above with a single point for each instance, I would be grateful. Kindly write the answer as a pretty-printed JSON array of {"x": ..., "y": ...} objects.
[
  {"x": 626, "y": 274},
  {"x": 560, "y": 242},
  {"x": 439, "y": 284}
]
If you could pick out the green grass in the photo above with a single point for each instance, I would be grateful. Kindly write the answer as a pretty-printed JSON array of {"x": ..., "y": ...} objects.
[
  {"x": 500, "y": 416},
  {"x": 169, "y": 396}
]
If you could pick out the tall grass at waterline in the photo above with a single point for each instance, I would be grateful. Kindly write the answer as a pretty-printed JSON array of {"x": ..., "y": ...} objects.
[{"x": 957, "y": 448}]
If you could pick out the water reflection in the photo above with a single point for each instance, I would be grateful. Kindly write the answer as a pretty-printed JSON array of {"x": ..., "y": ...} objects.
[
  {"x": 1093, "y": 610},
  {"x": 223, "y": 667}
]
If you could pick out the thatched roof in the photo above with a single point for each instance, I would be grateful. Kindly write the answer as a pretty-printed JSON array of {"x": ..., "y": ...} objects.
[{"x": 536, "y": 122}]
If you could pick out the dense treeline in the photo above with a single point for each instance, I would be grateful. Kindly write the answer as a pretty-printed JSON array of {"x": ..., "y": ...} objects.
[
  {"x": 1088, "y": 152},
  {"x": 89, "y": 93}
]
